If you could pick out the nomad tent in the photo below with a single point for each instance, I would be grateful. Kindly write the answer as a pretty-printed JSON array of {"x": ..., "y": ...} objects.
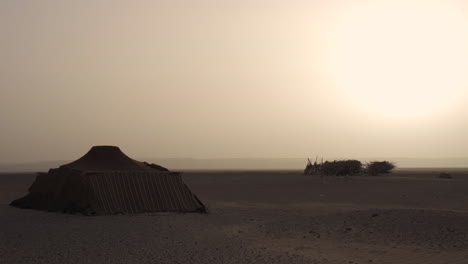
[{"x": 106, "y": 181}]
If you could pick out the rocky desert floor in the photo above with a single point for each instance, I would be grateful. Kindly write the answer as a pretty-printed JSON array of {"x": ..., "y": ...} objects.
[{"x": 258, "y": 217}]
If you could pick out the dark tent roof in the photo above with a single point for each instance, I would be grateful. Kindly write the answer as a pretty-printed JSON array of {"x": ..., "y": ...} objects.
[
  {"x": 106, "y": 181},
  {"x": 109, "y": 158}
]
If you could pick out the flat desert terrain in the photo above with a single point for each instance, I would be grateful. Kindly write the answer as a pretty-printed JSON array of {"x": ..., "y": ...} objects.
[{"x": 258, "y": 217}]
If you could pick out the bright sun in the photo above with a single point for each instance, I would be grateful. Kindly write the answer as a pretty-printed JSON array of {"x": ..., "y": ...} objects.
[{"x": 400, "y": 58}]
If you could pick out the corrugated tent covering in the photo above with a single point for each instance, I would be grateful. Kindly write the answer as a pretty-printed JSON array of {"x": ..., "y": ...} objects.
[
  {"x": 110, "y": 192},
  {"x": 106, "y": 181},
  {"x": 137, "y": 192}
]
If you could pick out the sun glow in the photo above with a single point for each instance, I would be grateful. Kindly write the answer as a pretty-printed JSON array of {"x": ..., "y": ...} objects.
[{"x": 400, "y": 58}]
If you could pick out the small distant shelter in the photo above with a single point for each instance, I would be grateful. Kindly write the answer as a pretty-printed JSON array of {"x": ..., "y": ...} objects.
[{"x": 312, "y": 168}]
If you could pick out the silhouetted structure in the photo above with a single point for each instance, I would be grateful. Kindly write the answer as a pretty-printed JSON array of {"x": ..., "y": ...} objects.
[
  {"x": 312, "y": 169},
  {"x": 347, "y": 168},
  {"x": 336, "y": 167},
  {"x": 106, "y": 181},
  {"x": 341, "y": 167}
]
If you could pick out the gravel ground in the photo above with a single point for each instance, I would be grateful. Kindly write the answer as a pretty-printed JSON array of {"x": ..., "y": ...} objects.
[{"x": 257, "y": 217}]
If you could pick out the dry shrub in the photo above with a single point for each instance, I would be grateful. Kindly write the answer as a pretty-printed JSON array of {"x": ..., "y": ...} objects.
[
  {"x": 445, "y": 175},
  {"x": 379, "y": 167}
]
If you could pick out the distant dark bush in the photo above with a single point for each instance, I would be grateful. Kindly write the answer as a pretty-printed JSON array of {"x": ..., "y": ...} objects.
[
  {"x": 341, "y": 167},
  {"x": 445, "y": 175},
  {"x": 379, "y": 167}
]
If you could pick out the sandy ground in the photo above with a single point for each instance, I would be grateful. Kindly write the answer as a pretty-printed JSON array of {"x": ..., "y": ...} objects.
[{"x": 258, "y": 217}]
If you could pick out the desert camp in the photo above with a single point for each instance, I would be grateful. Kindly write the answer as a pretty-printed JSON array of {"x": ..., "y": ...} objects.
[
  {"x": 106, "y": 181},
  {"x": 203, "y": 114}
]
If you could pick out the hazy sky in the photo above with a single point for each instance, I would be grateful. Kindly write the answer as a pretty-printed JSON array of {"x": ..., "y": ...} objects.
[{"x": 229, "y": 78}]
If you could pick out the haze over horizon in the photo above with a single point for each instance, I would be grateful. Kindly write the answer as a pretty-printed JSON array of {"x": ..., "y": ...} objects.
[{"x": 232, "y": 79}]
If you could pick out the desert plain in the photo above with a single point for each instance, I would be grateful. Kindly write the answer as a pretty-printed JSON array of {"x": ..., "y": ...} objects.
[{"x": 409, "y": 216}]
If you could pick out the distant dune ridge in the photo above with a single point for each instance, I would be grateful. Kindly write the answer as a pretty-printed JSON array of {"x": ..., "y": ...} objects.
[
  {"x": 249, "y": 163},
  {"x": 106, "y": 181}
]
